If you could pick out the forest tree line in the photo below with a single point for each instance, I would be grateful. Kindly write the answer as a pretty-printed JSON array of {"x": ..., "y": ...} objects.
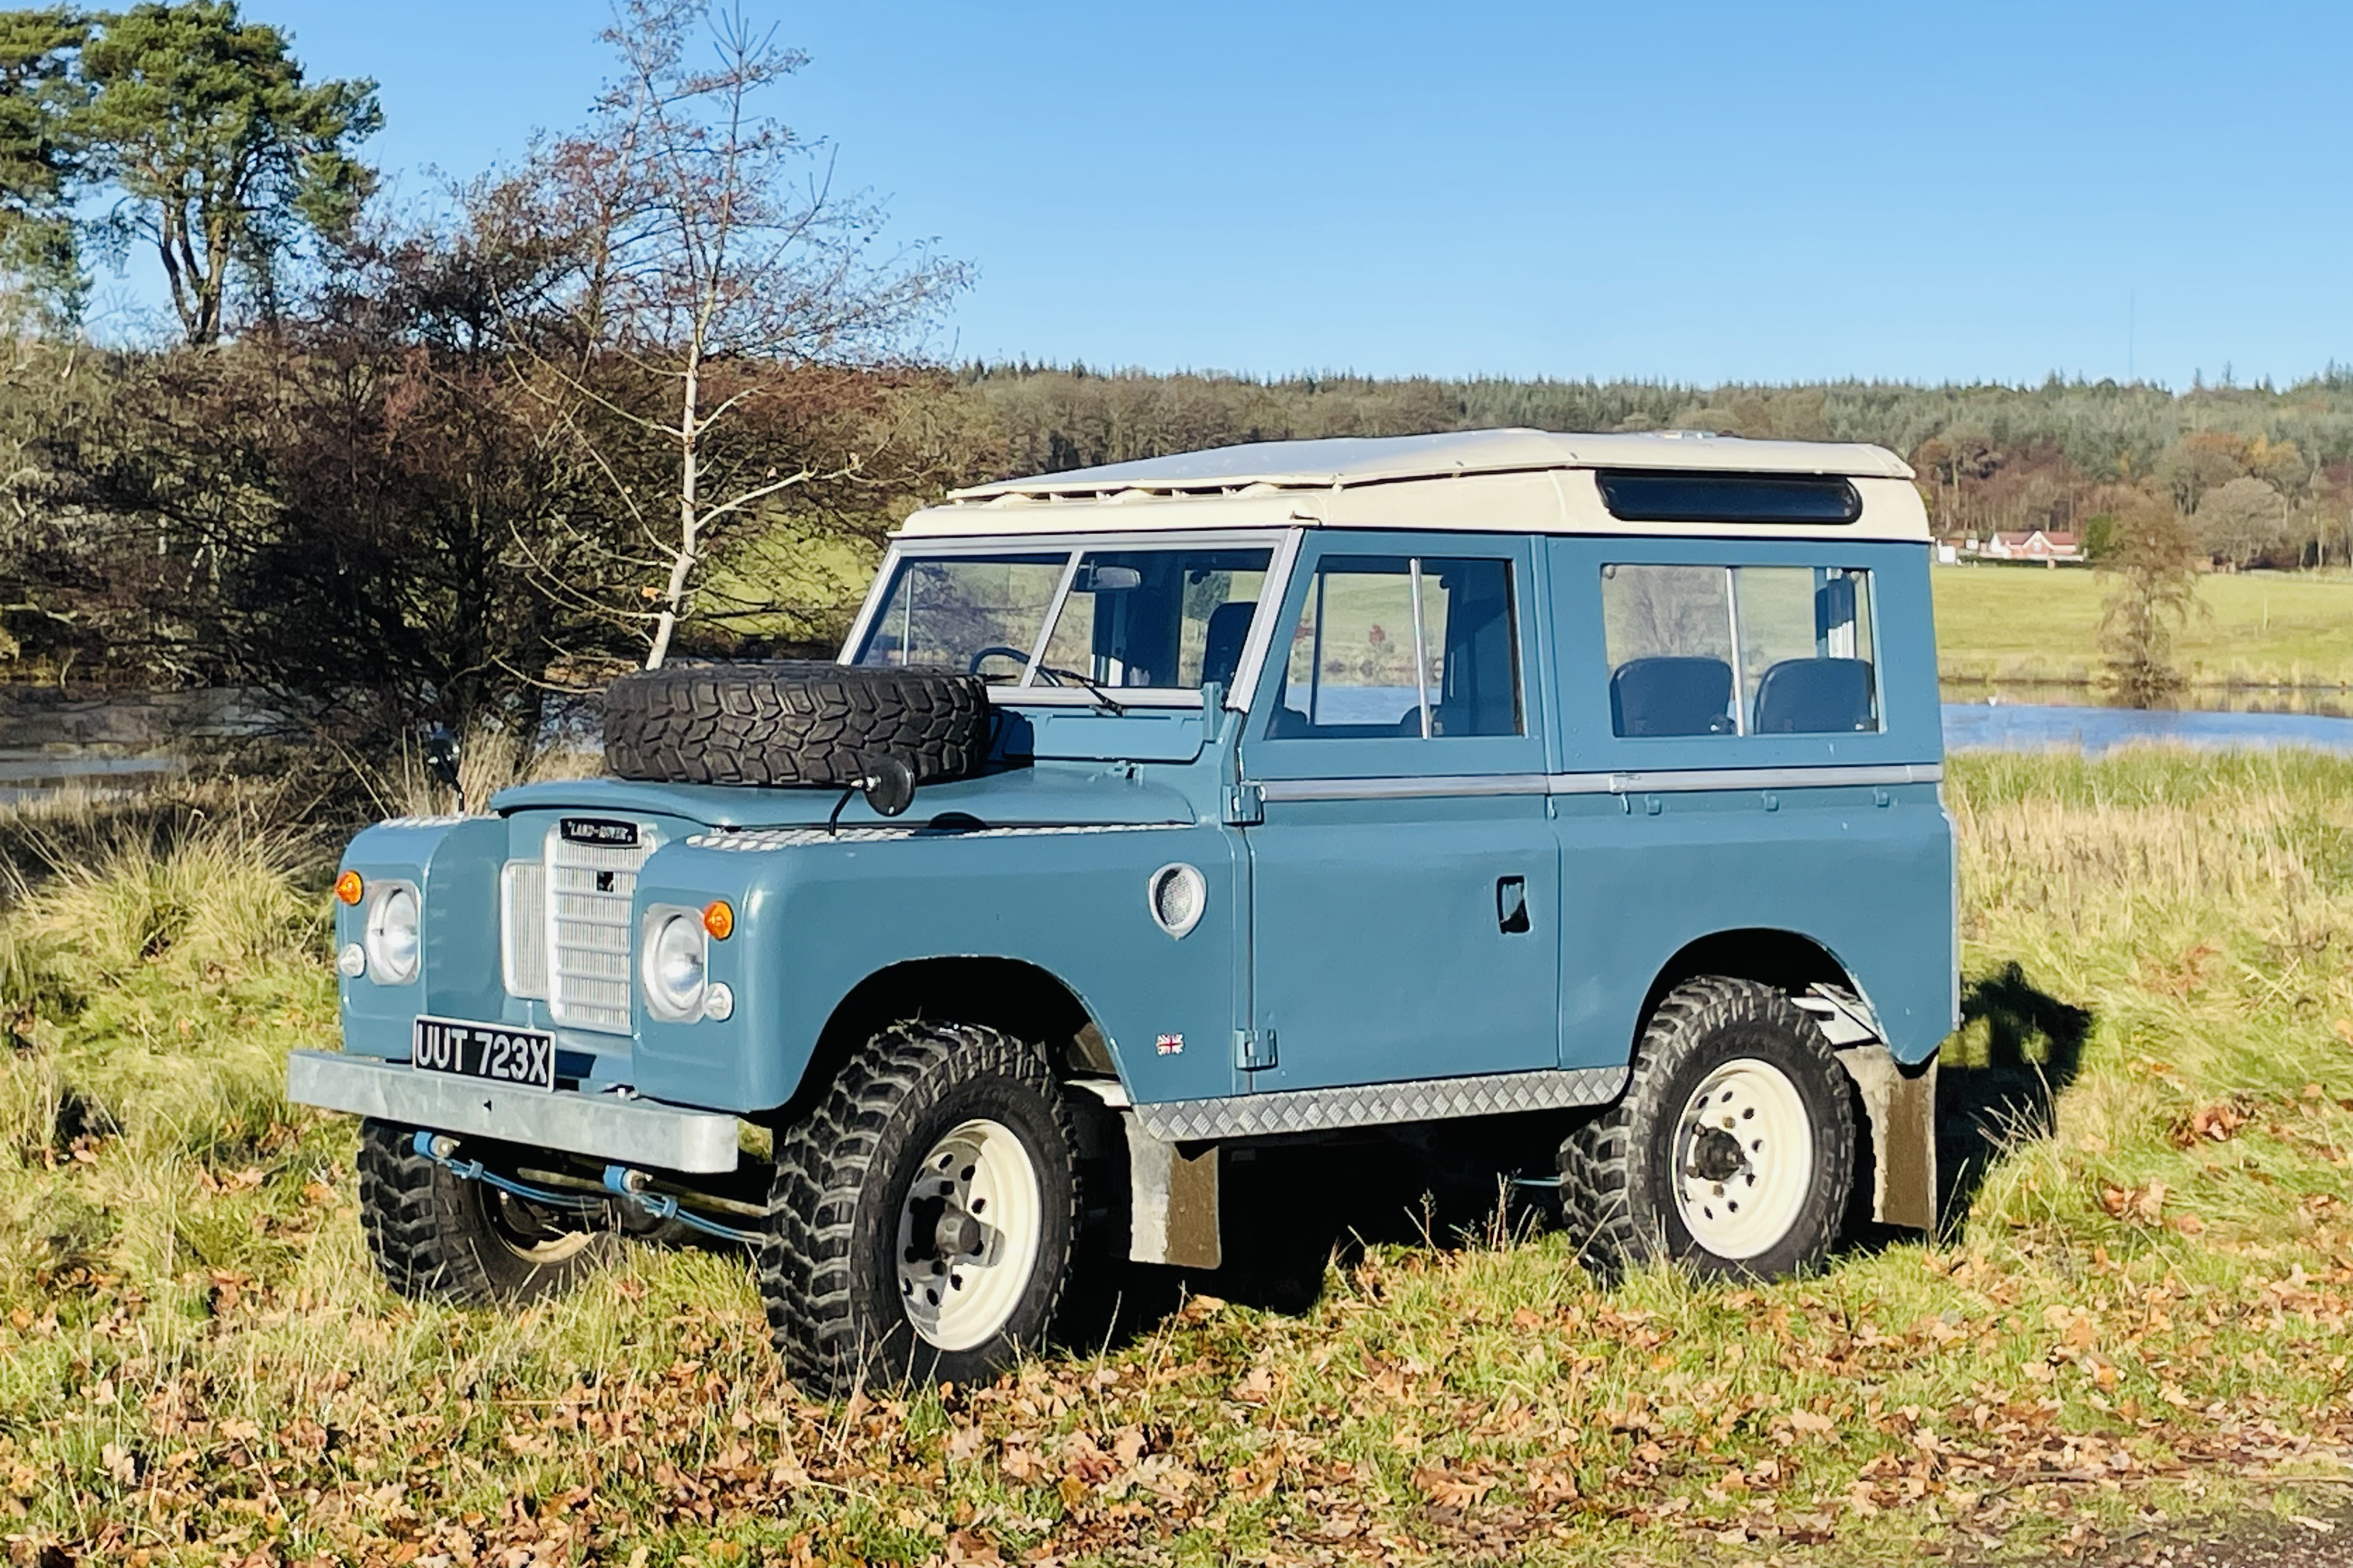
[{"x": 404, "y": 470}]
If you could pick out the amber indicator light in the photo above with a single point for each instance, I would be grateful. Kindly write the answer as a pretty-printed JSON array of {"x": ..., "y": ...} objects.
[
  {"x": 719, "y": 919},
  {"x": 348, "y": 887}
]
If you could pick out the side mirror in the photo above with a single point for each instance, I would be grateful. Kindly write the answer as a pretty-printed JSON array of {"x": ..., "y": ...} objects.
[
  {"x": 889, "y": 786},
  {"x": 442, "y": 756}
]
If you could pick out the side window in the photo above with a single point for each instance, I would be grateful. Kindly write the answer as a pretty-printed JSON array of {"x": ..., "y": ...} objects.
[
  {"x": 1739, "y": 650},
  {"x": 1418, "y": 647},
  {"x": 1155, "y": 617}
]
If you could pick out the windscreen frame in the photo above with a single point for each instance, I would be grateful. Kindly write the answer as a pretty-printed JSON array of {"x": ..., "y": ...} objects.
[{"x": 1283, "y": 542}]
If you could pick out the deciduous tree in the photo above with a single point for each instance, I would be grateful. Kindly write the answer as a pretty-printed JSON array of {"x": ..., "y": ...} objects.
[
  {"x": 2152, "y": 563},
  {"x": 720, "y": 285},
  {"x": 2242, "y": 520}
]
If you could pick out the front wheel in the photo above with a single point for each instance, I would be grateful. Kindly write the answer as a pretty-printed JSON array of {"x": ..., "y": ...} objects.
[
  {"x": 1732, "y": 1151},
  {"x": 434, "y": 1234},
  {"x": 924, "y": 1214}
]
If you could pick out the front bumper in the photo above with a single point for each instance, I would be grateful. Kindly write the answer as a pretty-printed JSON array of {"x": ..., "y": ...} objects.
[{"x": 622, "y": 1131}]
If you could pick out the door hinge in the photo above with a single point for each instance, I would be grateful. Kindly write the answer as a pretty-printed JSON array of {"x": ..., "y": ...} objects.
[
  {"x": 1245, "y": 805},
  {"x": 1253, "y": 1050}
]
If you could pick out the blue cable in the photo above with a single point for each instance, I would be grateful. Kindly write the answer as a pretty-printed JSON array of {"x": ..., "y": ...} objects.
[{"x": 659, "y": 1205}]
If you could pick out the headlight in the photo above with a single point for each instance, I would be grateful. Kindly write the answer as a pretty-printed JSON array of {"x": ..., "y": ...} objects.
[
  {"x": 672, "y": 966},
  {"x": 391, "y": 940}
]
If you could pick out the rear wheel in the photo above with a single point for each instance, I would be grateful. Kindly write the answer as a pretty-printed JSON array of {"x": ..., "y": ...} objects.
[
  {"x": 924, "y": 1214},
  {"x": 1732, "y": 1151},
  {"x": 434, "y": 1234}
]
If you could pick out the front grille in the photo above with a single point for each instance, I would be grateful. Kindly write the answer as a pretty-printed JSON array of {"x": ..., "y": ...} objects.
[
  {"x": 589, "y": 889},
  {"x": 523, "y": 927}
]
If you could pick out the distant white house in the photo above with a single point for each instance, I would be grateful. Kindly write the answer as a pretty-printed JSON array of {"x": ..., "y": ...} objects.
[{"x": 2049, "y": 546}]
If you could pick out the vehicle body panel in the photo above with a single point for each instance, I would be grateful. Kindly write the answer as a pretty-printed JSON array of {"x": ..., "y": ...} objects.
[{"x": 1359, "y": 888}]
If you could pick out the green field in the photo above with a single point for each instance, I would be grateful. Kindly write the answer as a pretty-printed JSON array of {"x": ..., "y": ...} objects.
[
  {"x": 2031, "y": 624},
  {"x": 2143, "y": 1314}
]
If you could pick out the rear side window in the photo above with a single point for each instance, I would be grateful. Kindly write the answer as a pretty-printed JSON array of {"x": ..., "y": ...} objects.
[
  {"x": 1739, "y": 650},
  {"x": 1633, "y": 496}
]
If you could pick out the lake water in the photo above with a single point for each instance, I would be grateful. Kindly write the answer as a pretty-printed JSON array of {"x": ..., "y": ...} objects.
[
  {"x": 2002, "y": 726},
  {"x": 2027, "y": 727},
  {"x": 111, "y": 746}
]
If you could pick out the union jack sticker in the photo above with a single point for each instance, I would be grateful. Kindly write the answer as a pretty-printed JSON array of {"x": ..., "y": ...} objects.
[{"x": 1169, "y": 1044}]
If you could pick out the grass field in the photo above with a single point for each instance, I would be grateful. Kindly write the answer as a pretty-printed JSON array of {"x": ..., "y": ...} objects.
[
  {"x": 2026, "y": 625},
  {"x": 2144, "y": 1314}
]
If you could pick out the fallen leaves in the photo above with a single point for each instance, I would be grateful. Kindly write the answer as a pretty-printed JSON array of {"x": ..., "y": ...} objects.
[
  {"x": 1451, "y": 1489},
  {"x": 2144, "y": 1203},
  {"x": 2209, "y": 1124}
]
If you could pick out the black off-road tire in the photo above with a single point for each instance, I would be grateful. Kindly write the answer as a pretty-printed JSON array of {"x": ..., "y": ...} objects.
[
  {"x": 435, "y": 1235},
  {"x": 1616, "y": 1170},
  {"x": 828, "y": 1267},
  {"x": 793, "y": 722}
]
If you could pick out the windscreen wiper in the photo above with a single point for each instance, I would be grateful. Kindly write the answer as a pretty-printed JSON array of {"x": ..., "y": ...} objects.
[{"x": 1061, "y": 676}]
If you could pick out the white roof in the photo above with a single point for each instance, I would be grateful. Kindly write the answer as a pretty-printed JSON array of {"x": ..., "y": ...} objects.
[{"x": 1496, "y": 481}]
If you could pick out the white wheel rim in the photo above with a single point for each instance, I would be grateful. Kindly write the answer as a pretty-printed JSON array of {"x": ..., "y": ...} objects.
[
  {"x": 1744, "y": 1159},
  {"x": 958, "y": 1289}
]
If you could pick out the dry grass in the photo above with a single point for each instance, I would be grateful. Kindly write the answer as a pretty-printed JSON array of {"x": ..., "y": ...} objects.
[{"x": 2143, "y": 1315}]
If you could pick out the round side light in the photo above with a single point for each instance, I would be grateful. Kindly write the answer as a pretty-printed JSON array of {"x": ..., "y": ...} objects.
[{"x": 1178, "y": 896}]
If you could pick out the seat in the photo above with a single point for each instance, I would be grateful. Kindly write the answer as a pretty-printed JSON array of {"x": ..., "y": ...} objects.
[
  {"x": 1222, "y": 640},
  {"x": 1815, "y": 696},
  {"x": 1671, "y": 695}
]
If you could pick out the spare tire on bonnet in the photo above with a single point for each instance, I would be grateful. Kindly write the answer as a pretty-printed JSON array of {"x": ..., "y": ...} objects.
[{"x": 794, "y": 722}]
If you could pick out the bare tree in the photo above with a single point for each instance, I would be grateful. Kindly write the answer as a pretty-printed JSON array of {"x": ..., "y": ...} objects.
[{"x": 719, "y": 287}]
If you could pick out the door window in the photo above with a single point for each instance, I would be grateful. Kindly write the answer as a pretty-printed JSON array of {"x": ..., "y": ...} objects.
[
  {"x": 1739, "y": 650},
  {"x": 1417, "y": 647}
]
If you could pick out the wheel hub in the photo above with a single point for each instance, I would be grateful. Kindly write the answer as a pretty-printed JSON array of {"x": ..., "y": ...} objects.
[
  {"x": 1715, "y": 1155},
  {"x": 1744, "y": 1159},
  {"x": 969, "y": 1233},
  {"x": 953, "y": 1233}
]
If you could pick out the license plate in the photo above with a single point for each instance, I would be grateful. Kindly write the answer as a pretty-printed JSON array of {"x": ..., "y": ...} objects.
[{"x": 492, "y": 1052}]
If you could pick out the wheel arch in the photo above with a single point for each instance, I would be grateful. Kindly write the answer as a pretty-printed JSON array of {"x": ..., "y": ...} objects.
[
  {"x": 1021, "y": 998},
  {"x": 1895, "y": 1105},
  {"x": 1786, "y": 959}
]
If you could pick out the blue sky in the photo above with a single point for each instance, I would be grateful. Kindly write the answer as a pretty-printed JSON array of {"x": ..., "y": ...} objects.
[{"x": 1682, "y": 191}]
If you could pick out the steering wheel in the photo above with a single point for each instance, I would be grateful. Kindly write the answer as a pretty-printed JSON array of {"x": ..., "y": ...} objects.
[{"x": 997, "y": 650}]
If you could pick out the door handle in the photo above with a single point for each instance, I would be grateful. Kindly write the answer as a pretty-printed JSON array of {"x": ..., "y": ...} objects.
[{"x": 1511, "y": 905}]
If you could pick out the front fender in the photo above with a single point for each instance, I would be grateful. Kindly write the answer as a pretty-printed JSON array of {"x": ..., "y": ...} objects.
[
  {"x": 454, "y": 861},
  {"x": 820, "y": 914}
]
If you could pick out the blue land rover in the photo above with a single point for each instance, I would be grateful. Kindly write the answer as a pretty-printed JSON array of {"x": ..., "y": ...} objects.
[{"x": 1156, "y": 810}]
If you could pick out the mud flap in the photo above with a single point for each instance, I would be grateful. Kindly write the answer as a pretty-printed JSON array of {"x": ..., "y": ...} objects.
[
  {"x": 1899, "y": 1104},
  {"x": 1901, "y": 1107},
  {"x": 1172, "y": 1200}
]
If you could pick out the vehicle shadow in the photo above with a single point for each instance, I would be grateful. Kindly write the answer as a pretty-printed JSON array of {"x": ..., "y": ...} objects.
[
  {"x": 1290, "y": 1213},
  {"x": 2018, "y": 1049}
]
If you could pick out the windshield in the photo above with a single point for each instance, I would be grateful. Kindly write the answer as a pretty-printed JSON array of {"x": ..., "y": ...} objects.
[{"x": 1170, "y": 618}]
